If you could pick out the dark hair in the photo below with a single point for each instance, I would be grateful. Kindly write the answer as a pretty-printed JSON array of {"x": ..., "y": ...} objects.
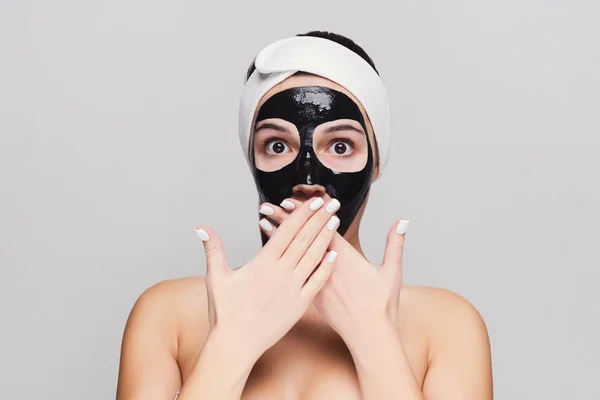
[{"x": 343, "y": 40}]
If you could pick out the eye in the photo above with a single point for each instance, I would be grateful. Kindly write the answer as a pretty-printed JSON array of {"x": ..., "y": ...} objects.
[
  {"x": 341, "y": 148},
  {"x": 277, "y": 147}
]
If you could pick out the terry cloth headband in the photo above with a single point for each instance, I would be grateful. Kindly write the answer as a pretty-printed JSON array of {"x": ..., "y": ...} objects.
[{"x": 325, "y": 58}]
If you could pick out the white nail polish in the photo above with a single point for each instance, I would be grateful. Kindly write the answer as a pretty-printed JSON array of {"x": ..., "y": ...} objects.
[
  {"x": 316, "y": 203},
  {"x": 333, "y": 206},
  {"x": 202, "y": 234},
  {"x": 333, "y": 223},
  {"x": 266, "y": 210},
  {"x": 288, "y": 205},
  {"x": 402, "y": 225},
  {"x": 266, "y": 225},
  {"x": 331, "y": 256}
]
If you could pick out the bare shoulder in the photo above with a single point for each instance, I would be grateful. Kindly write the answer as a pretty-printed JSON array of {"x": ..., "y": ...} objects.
[
  {"x": 175, "y": 296},
  {"x": 458, "y": 346},
  {"x": 443, "y": 314},
  {"x": 151, "y": 340},
  {"x": 171, "y": 305},
  {"x": 439, "y": 302}
]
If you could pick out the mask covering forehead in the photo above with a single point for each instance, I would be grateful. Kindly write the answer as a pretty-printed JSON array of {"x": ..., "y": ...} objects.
[{"x": 308, "y": 107}]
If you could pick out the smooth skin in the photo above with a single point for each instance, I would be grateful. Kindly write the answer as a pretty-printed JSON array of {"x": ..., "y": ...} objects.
[
  {"x": 359, "y": 292},
  {"x": 352, "y": 330},
  {"x": 270, "y": 293}
]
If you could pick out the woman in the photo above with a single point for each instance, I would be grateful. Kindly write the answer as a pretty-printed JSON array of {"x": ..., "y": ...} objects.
[{"x": 308, "y": 317}]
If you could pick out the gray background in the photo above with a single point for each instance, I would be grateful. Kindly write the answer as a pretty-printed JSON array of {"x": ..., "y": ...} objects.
[{"x": 118, "y": 124}]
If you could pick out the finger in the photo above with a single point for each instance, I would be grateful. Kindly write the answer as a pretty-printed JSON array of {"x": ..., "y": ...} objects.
[
  {"x": 274, "y": 212},
  {"x": 394, "y": 246},
  {"x": 304, "y": 238},
  {"x": 290, "y": 204},
  {"x": 267, "y": 227},
  {"x": 317, "y": 249},
  {"x": 216, "y": 262},
  {"x": 288, "y": 230},
  {"x": 279, "y": 214},
  {"x": 340, "y": 244},
  {"x": 315, "y": 283}
]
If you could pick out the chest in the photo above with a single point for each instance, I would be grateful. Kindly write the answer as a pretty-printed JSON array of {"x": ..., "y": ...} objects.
[
  {"x": 301, "y": 367},
  {"x": 297, "y": 370}
]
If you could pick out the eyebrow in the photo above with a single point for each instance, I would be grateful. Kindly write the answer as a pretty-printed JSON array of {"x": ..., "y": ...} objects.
[
  {"x": 268, "y": 125},
  {"x": 343, "y": 127}
]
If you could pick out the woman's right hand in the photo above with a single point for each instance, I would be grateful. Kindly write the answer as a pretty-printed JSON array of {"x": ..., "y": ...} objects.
[{"x": 257, "y": 304}]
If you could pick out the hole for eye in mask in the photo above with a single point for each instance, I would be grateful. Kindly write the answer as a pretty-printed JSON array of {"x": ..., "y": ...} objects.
[
  {"x": 275, "y": 144},
  {"x": 341, "y": 145}
]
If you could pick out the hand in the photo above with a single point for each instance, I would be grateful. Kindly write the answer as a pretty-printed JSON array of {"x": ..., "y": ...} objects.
[
  {"x": 255, "y": 305},
  {"x": 358, "y": 294}
]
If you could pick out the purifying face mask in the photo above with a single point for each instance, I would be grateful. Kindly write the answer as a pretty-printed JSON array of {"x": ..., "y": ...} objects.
[{"x": 306, "y": 108}]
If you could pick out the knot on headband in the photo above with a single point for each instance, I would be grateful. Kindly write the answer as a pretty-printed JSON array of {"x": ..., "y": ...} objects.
[{"x": 324, "y": 58}]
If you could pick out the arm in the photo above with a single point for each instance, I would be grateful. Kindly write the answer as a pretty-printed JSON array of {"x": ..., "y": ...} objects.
[
  {"x": 460, "y": 364},
  {"x": 459, "y": 356},
  {"x": 384, "y": 372},
  {"x": 220, "y": 372},
  {"x": 149, "y": 369},
  {"x": 256, "y": 305}
]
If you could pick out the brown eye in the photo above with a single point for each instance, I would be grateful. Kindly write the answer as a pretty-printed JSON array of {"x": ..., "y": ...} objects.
[
  {"x": 340, "y": 149},
  {"x": 277, "y": 147}
]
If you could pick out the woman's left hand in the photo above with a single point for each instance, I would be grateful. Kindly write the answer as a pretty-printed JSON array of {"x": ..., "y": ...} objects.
[{"x": 358, "y": 295}]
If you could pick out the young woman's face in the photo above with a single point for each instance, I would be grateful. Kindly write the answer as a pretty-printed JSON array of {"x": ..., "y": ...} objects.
[
  {"x": 340, "y": 144},
  {"x": 311, "y": 137}
]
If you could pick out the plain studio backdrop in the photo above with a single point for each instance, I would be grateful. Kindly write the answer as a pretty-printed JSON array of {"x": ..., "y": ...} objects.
[{"x": 118, "y": 123}]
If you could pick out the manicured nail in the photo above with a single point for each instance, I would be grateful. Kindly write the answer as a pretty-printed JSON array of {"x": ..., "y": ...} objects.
[
  {"x": 331, "y": 256},
  {"x": 402, "y": 225},
  {"x": 202, "y": 234},
  {"x": 316, "y": 203},
  {"x": 333, "y": 206},
  {"x": 333, "y": 223},
  {"x": 266, "y": 225},
  {"x": 288, "y": 205},
  {"x": 266, "y": 210}
]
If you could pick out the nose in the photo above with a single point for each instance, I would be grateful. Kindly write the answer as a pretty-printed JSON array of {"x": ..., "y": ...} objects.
[
  {"x": 307, "y": 171},
  {"x": 305, "y": 192}
]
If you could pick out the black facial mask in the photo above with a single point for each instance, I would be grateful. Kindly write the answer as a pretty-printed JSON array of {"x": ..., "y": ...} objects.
[{"x": 308, "y": 107}]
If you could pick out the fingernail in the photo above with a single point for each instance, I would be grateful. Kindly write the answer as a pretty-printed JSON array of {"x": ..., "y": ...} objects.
[
  {"x": 402, "y": 225},
  {"x": 288, "y": 205},
  {"x": 266, "y": 225},
  {"x": 316, "y": 203},
  {"x": 202, "y": 234},
  {"x": 333, "y": 223},
  {"x": 266, "y": 210},
  {"x": 333, "y": 206},
  {"x": 331, "y": 256}
]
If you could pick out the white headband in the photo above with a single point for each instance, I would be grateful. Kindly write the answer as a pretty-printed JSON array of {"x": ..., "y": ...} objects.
[{"x": 325, "y": 58}]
